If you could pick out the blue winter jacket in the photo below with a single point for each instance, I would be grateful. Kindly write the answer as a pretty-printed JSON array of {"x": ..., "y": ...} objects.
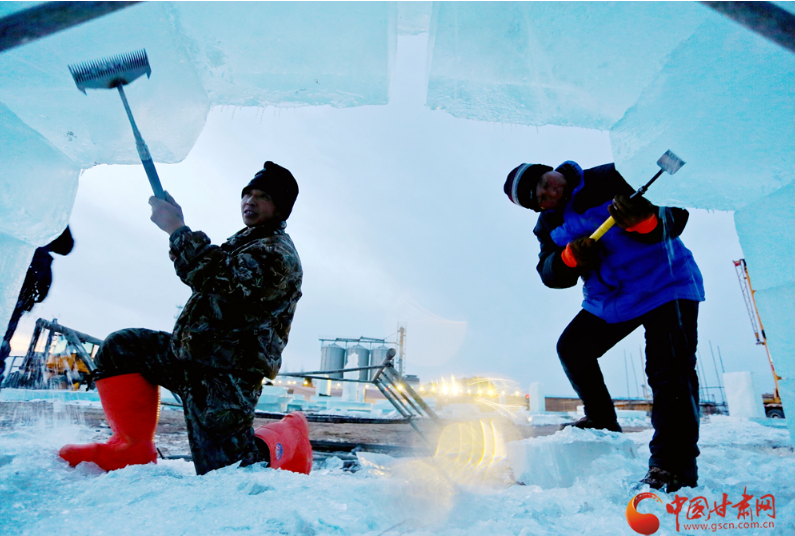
[{"x": 637, "y": 273}]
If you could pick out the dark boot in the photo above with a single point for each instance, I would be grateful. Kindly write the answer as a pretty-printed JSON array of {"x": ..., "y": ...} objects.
[
  {"x": 132, "y": 408},
  {"x": 658, "y": 478},
  {"x": 288, "y": 443},
  {"x": 586, "y": 423}
]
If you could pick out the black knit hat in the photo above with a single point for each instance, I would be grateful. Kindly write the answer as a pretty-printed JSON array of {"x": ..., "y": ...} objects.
[
  {"x": 520, "y": 186},
  {"x": 278, "y": 183}
]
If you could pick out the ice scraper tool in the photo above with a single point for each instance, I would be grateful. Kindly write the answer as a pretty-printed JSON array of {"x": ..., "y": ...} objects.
[
  {"x": 669, "y": 163},
  {"x": 116, "y": 72}
]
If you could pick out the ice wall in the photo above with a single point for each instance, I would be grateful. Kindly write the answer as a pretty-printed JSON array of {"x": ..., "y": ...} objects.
[{"x": 562, "y": 63}]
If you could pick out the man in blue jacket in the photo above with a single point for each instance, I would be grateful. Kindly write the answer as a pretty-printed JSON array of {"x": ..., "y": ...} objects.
[{"x": 639, "y": 273}]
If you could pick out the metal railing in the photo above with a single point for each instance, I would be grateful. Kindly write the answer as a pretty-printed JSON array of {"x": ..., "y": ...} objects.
[{"x": 392, "y": 385}]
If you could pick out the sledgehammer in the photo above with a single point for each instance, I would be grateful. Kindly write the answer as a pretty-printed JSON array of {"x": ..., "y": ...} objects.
[{"x": 669, "y": 163}]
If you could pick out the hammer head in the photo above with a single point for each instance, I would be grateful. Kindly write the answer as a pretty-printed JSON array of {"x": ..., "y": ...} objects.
[{"x": 670, "y": 163}]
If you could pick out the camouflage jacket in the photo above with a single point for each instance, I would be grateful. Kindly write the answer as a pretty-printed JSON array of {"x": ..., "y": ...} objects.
[{"x": 244, "y": 297}]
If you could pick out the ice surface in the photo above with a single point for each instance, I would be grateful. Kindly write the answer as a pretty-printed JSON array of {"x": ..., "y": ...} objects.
[
  {"x": 563, "y": 63},
  {"x": 769, "y": 254},
  {"x": 389, "y": 496},
  {"x": 37, "y": 186},
  {"x": 414, "y": 17},
  {"x": 558, "y": 461},
  {"x": 719, "y": 104},
  {"x": 290, "y": 53},
  {"x": 743, "y": 395}
]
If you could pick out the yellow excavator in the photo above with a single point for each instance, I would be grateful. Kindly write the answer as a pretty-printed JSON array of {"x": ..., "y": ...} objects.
[
  {"x": 57, "y": 358},
  {"x": 772, "y": 401}
]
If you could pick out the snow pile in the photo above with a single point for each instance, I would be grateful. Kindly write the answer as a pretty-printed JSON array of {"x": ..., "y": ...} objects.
[{"x": 388, "y": 497}]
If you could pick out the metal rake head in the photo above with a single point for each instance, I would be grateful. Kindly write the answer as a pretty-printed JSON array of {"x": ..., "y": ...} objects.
[{"x": 110, "y": 72}]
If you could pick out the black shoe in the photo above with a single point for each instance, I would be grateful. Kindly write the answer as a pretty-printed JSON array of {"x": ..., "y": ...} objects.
[
  {"x": 586, "y": 423},
  {"x": 658, "y": 478}
]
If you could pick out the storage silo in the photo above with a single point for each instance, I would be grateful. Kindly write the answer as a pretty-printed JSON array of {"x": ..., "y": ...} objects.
[
  {"x": 377, "y": 358},
  {"x": 332, "y": 357},
  {"x": 359, "y": 356}
]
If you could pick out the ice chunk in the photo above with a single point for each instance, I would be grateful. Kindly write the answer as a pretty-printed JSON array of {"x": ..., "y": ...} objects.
[
  {"x": 743, "y": 395},
  {"x": 719, "y": 104},
  {"x": 537, "y": 63},
  {"x": 538, "y": 403},
  {"x": 557, "y": 461},
  {"x": 38, "y": 185},
  {"x": 170, "y": 108},
  {"x": 15, "y": 258},
  {"x": 259, "y": 53}
]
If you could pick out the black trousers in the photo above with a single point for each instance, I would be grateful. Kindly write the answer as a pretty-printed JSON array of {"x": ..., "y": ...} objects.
[
  {"x": 218, "y": 404},
  {"x": 671, "y": 338}
]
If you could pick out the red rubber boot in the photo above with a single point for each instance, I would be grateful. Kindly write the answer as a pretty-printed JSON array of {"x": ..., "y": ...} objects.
[
  {"x": 132, "y": 408},
  {"x": 288, "y": 442}
]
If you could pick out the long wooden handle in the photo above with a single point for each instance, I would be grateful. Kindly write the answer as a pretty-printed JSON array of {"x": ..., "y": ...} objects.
[{"x": 609, "y": 222}]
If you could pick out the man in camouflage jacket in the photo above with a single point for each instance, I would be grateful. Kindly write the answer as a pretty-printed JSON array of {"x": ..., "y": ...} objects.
[{"x": 231, "y": 332}]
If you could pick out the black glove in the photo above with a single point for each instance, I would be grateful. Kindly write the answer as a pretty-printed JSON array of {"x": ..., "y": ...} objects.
[
  {"x": 585, "y": 253},
  {"x": 628, "y": 212}
]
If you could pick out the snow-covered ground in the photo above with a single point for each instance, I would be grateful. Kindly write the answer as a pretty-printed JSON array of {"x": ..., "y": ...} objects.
[{"x": 41, "y": 495}]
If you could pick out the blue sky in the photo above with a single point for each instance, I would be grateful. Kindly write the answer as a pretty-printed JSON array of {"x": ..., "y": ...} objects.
[{"x": 401, "y": 217}]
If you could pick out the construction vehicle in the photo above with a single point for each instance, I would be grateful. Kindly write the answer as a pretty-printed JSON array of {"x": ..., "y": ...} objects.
[
  {"x": 772, "y": 401},
  {"x": 57, "y": 358}
]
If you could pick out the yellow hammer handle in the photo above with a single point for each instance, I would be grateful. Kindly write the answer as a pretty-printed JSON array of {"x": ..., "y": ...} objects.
[{"x": 609, "y": 222}]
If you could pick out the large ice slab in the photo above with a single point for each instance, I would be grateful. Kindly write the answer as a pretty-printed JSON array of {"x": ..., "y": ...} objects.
[
  {"x": 291, "y": 53},
  {"x": 724, "y": 103},
  {"x": 743, "y": 395},
  {"x": 557, "y": 461},
  {"x": 38, "y": 184},
  {"x": 562, "y": 63},
  {"x": 170, "y": 108}
]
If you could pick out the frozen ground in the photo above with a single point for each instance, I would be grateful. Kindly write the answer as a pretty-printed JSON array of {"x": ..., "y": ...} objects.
[{"x": 42, "y": 495}]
